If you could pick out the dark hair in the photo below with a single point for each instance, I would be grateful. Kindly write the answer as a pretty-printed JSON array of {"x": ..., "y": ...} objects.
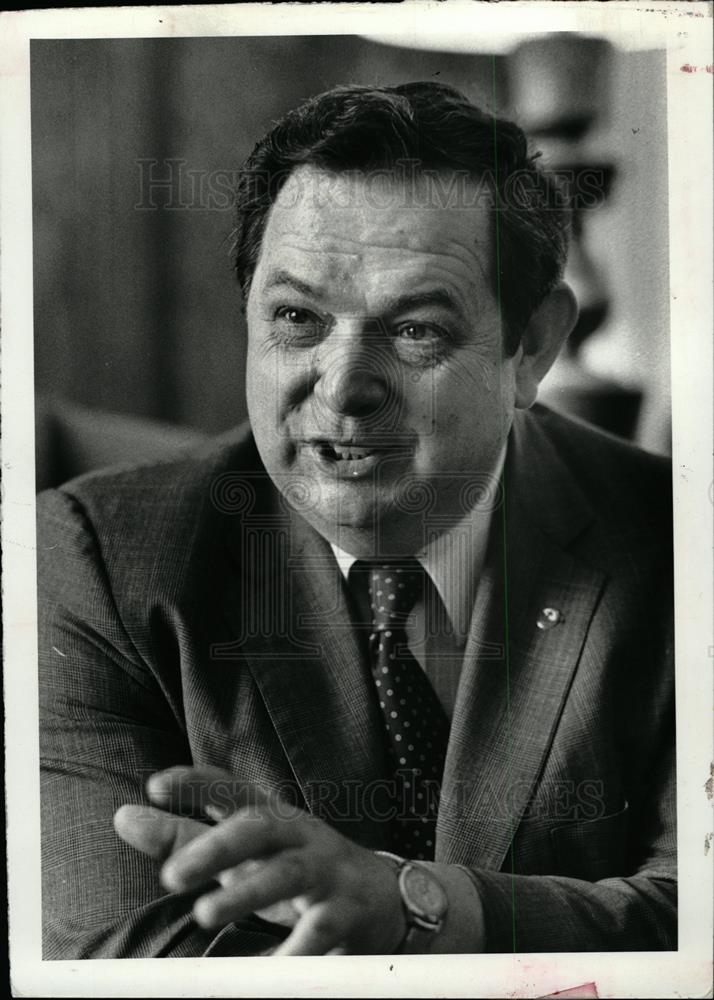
[{"x": 435, "y": 128}]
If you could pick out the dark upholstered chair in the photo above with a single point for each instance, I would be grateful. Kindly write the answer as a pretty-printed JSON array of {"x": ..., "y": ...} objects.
[{"x": 71, "y": 439}]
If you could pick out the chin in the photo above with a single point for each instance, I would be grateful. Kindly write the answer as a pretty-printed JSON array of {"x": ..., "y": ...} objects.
[{"x": 376, "y": 537}]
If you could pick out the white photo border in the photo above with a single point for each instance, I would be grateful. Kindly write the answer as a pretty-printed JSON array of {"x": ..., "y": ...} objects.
[{"x": 684, "y": 30}]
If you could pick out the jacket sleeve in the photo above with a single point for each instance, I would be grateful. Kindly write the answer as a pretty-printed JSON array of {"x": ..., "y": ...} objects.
[
  {"x": 105, "y": 725},
  {"x": 636, "y": 912}
]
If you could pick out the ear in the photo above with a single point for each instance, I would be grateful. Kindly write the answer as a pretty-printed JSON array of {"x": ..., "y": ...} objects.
[{"x": 542, "y": 339}]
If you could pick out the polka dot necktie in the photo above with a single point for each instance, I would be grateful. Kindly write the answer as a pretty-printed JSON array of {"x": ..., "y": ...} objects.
[{"x": 416, "y": 725}]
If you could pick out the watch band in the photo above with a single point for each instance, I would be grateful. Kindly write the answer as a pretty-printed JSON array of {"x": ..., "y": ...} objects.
[{"x": 425, "y": 904}]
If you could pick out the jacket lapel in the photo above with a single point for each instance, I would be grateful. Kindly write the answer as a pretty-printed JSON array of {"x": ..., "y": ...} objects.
[
  {"x": 516, "y": 676},
  {"x": 289, "y": 608}
]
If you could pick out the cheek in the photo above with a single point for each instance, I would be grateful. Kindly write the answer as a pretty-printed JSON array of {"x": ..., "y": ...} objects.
[
  {"x": 255, "y": 391},
  {"x": 453, "y": 406},
  {"x": 266, "y": 373},
  {"x": 262, "y": 397},
  {"x": 463, "y": 417}
]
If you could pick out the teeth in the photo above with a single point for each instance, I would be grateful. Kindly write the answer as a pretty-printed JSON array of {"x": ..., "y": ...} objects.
[{"x": 352, "y": 455}]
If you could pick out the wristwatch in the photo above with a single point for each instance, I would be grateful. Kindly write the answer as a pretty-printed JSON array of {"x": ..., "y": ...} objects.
[{"x": 425, "y": 904}]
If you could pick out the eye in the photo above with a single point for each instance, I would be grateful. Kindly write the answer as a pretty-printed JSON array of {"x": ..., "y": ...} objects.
[
  {"x": 422, "y": 334},
  {"x": 294, "y": 316},
  {"x": 296, "y": 324},
  {"x": 422, "y": 344},
  {"x": 414, "y": 331},
  {"x": 419, "y": 332}
]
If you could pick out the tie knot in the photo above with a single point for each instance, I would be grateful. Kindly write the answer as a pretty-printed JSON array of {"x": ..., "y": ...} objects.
[{"x": 394, "y": 587}]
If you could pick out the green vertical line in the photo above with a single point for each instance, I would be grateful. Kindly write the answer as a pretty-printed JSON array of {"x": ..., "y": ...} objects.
[{"x": 506, "y": 633}]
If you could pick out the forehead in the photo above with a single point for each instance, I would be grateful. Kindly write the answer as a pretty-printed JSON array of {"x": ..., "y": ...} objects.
[{"x": 351, "y": 224}]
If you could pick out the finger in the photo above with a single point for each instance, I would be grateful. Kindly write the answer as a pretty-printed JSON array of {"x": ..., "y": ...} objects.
[
  {"x": 287, "y": 912},
  {"x": 155, "y": 832},
  {"x": 209, "y": 790},
  {"x": 284, "y": 913},
  {"x": 253, "y": 886},
  {"x": 323, "y": 928},
  {"x": 245, "y": 835}
]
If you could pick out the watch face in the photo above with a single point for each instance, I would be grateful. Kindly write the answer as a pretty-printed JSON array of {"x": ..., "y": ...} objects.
[{"x": 423, "y": 894}]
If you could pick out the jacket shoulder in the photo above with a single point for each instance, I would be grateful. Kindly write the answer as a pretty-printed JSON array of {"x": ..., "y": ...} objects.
[
  {"x": 161, "y": 523},
  {"x": 622, "y": 482}
]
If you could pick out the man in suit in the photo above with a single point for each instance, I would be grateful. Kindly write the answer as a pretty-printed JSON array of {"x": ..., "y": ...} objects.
[{"x": 390, "y": 669}]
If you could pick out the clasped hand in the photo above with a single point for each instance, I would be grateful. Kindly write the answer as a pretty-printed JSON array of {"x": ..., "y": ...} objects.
[{"x": 267, "y": 857}]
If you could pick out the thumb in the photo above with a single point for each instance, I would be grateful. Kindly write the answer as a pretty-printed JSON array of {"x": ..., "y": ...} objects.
[
  {"x": 153, "y": 831},
  {"x": 205, "y": 790}
]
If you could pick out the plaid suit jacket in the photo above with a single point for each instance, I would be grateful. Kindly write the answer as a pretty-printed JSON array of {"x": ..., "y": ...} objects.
[{"x": 189, "y": 615}]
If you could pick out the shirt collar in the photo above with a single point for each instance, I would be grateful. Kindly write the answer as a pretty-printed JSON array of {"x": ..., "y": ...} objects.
[{"x": 453, "y": 560}]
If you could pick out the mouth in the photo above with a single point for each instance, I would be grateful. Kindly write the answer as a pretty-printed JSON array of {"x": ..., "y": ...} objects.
[
  {"x": 345, "y": 459},
  {"x": 335, "y": 452}
]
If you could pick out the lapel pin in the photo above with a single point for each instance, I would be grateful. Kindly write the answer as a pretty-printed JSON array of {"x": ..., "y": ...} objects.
[{"x": 548, "y": 617}]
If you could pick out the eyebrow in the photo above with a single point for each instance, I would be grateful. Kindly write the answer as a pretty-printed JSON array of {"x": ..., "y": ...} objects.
[
  {"x": 439, "y": 297},
  {"x": 285, "y": 278},
  {"x": 415, "y": 300}
]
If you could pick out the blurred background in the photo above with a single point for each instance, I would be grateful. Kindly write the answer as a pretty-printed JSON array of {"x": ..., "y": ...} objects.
[{"x": 139, "y": 338}]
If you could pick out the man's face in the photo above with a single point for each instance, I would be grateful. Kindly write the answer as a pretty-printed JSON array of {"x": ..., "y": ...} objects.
[{"x": 376, "y": 386}]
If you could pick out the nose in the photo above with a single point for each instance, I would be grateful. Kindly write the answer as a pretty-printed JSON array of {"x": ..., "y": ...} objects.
[{"x": 356, "y": 371}]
